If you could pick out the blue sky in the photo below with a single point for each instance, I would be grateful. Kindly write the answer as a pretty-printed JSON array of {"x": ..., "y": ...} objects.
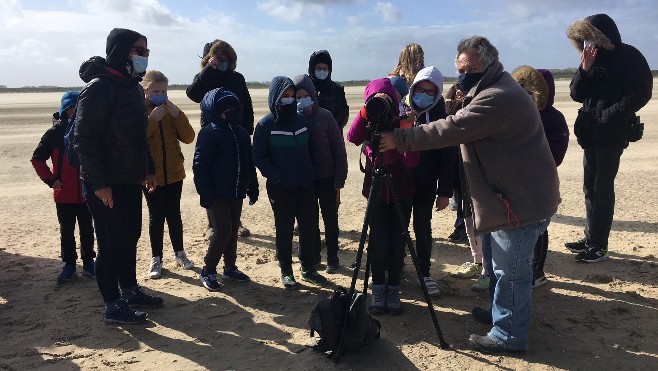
[{"x": 44, "y": 42}]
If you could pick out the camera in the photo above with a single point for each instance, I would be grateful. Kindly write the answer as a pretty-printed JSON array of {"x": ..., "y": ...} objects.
[{"x": 381, "y": 114}]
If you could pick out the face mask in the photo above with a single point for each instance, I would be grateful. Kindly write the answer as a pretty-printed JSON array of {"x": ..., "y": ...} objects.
[
  {"x": 303, "y": 103},
  {"x": 139, "y": 64},
  {"x": 287, "y": 101},
  {"x": 469, "y": 80},
  {"x": 423, "y": 100},
  {"x": 158, "y": 100},
  {"x": 222, "y": 66},
  {"x": 234, "y": 116},
  {"x": 321, "y": 74}
]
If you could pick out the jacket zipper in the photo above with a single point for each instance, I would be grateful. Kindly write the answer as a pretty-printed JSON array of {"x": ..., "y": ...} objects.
[{"x": 164, "y": 153}]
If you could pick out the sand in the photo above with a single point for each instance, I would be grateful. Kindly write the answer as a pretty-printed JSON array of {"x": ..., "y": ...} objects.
[{"x": 588, "y": 316}]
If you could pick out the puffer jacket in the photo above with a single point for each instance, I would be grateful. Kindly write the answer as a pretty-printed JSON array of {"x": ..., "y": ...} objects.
[
  {"x": 618, "y": 84},
  {"x": 511, "y": 174},
  {"x": 110, "y": 127},
  {"x": 164, "y": 138},
  {"x": 331, "y": 95}
]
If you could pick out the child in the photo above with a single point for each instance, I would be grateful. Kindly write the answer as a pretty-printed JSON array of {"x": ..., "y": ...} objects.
[
  {"x": 64, "y": 179},
  {"x": 283, "y": 154},
  {"x": 411, "y": 60},
  {"x": 224, "y": 173},
  {"x": 387, "y": 241},
  {"x": 167, "y": 126}
]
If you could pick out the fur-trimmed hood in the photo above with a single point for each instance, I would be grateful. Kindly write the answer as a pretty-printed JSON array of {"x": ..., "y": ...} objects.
[
  {"x": 598, "y": 28},
  {"x": 541, "y": 93}
]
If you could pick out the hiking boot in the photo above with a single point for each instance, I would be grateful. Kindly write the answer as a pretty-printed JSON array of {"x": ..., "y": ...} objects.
[
  {"x": 593, "y": 255},
  {"x": 88, "y": 269},
  {"x": 468, "y": 270},
  {"x": 120, "y": 312},
  {"x": 182, "y": 260},
  {"x": 235, "y": 273},
  {"x": 67, "y": 273},
  {"x": 483, "y": 315},
  {"x": 393, "y": 304},
  {"x": 578, "y": 246},
  {"x": 432, "y": 287},
  {"x": 209, "y": 280},
  {"x": 377, "y": 300},
  {"x": 312, "y": 276},
  {"x": 539, "y": 280},
  {"x": 332, "y": 266},
  {"x": 481, "y": 283},
  {"x": 155, "y": 271},
  {"x": 242, "y": 231},
  {"x": 288, "y": 281},
  {"x": 486, "y": 344},
  {"x": 138, "y": 298},
  {"x": 458, "y": 235}
]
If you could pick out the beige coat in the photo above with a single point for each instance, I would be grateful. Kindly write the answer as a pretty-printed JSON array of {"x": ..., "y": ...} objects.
[{"x": 510, "y": 172}]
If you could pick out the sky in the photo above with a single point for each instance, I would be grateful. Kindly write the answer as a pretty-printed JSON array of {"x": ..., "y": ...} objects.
[{"x": 45, "y": 42}]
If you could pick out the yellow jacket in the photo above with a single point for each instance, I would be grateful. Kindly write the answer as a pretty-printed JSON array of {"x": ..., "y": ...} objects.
[{"x": 164, "y": 137}]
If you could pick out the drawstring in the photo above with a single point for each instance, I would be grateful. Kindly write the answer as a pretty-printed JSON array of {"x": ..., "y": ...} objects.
[{"x": 510, "y": 214}]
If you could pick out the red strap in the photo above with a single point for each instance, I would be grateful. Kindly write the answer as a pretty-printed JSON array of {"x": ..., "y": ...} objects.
[{"x": 510, "y": 214}]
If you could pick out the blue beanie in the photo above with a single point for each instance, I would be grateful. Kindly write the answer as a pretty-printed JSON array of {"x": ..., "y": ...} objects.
[
  {"x": 400, "y": 85},
  {"x": 69, "y": 99}
]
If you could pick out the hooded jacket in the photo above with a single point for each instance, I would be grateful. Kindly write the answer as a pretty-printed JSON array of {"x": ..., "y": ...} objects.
[
  {"x": 331, "y": 95},
  {"x": 164, "y": 138},
  {"x": 618, "y": 84},
  {"x": 210, "y": 78},
  {"x": 399, "y": 165},
  {"x": 223, "y": 165},
  {"x": 283, "y": 146},
  {"x": 511, "y": 175},
  {"x": 328, "y": 143},
  {"x": 556, "y": 129},
  {"x": 111, "y": 120}
]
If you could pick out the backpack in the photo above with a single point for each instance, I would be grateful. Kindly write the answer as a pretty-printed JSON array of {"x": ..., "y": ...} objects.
[{"x": 327, "y": 319}]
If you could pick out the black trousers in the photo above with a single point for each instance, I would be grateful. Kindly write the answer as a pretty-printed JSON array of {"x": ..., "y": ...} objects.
[
  {"x": 600, "y": 170},
  {"x": 223, "y": 239},
  {"x": 387, "y": 243},
  {"x": 289, "y": 204},
  {"x": 164, "y": 204},
  {"x": 325, "y": 193},
  {"x": 423, "y": 206},
  {"x": 539, "y": 255},
  {"x": 117, "y": 231},
  {"x": 67, "y": 214}
]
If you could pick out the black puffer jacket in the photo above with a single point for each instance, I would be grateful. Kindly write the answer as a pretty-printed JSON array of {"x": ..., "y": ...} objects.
[
  {"x": 331, "y": 95},
  {"x": 617, "y": 85},
  {"x": 110, "y": 127}
]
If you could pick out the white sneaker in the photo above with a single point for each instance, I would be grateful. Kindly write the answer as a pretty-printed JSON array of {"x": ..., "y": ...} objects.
[
  {"x": 155, "y": 271},
  {"x": 182, "y": 260},
  {"x": 432, "y": 287}
]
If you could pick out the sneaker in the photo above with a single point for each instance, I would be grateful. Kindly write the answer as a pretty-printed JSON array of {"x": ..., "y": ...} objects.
[
  {"x": 120, "y": 312},
  {"x": 312, "y": 276},
  {"x": 332, "y": 266},
  {"x": 393, "y": 303},
  {"x": 468, "y": 270},
  {"x": 539, "y": 281},
  {"x": 67, "y": 273},
  {"x": 182, "y": 260},
  {"x": 452, "y": 205},
  {"x": 236, "y": 274},
  {"x": 486, "y": 344},
  {"x": 593, "y": 255},
  {"x": 352, "y": 266},
  {"x": 458, "y": 236},
  {"x": 288, "y": 281},
  {"x": 377, "y": 304},
  {"x": 155, "y": 271},
  {"x": 89, "y": 269},
  {"x": 578, "y": 246},
  {"x": 242, "y": 231},
  {"x": 138, "y": 298},
  {"x": 209, "y": 280},
  {"x": 481, "y": 283},
  {"x": 432, "y": 287}
]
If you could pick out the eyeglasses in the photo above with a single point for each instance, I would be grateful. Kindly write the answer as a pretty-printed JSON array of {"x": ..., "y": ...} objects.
[
  {"x": 431, "y": 92},
  {"x": 141, "y": 51}
]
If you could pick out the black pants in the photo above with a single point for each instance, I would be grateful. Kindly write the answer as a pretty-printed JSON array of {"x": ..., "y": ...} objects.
[
  {"x": 117, "y": 231},
  {"x": 325, "y": 193},
  {"x": 67, "y": 214},
  {"x": 387, "y": 242},
  {"x": 225, "y": 221},
  {"x": 289, "y": 204},
  {"x": 600, "y": 169},
  {"x": 459, "y": 219},
  {"x": 539, "y": 255},
  {"x": 423, "y": 206},
  {"x": 164, "y": 204}
]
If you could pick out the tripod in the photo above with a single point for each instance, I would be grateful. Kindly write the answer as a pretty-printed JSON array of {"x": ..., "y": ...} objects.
[{"x": 380, "y": 171}]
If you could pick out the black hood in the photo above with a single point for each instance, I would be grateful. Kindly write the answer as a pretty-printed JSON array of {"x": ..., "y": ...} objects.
[
  {"x": 320, "y": 56},
  {"x": 607, "y": 26},
  {"x": 94, "y": 67},
  {"x": 119, "y": 43}
]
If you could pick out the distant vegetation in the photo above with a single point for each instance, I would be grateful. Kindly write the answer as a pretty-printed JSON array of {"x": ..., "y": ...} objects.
[{"x": 559, "y": 74}]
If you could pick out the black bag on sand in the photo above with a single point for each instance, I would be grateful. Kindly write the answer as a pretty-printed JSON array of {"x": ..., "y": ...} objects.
[{"x": 327, "y": 319}]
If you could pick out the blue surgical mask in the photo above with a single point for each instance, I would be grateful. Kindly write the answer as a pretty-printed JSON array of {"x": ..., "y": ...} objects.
[
  {"x": 287, "y": 101},
  {"x": 139, "y": 64},
  {"x": 222, "y": 66},
  {"x": 303, "y": 103},
  {"x": 423, "y": 100},
  {"x": 468, "y": 80},
  {"x": 158, "y": 100},
  {"x": 321, "y": 74}
]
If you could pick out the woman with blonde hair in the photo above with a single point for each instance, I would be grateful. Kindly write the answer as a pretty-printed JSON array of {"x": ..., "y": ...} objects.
[{"x": 411, "y": 60}]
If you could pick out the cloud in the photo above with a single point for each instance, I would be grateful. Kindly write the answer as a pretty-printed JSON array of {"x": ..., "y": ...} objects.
[
  {"x": 293, "y": 12},
  {"x": 148, "y": 11},
  {"x": 389, "y": 12}
]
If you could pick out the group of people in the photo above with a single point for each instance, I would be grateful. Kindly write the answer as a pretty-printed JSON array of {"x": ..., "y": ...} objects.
[{"x": 494, "y": 141}]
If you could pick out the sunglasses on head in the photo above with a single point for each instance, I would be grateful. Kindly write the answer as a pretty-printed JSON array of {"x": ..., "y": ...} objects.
[{"x": 141, "y": 51}]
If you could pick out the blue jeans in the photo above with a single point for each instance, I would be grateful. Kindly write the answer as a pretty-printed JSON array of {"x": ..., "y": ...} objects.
[{"x": 508, "y": 252}]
